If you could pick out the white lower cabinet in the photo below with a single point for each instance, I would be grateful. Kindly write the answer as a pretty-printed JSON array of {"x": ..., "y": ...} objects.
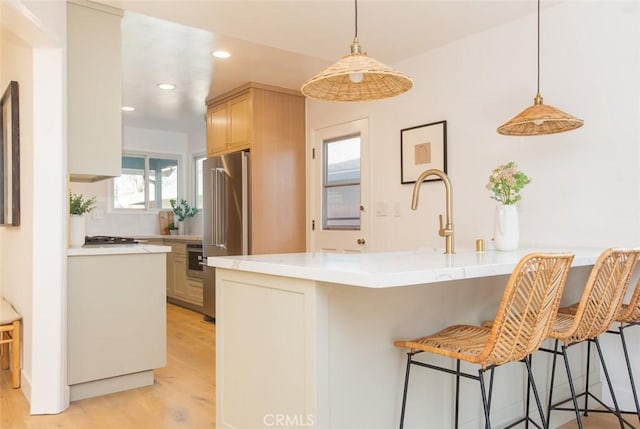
[{"x": 116, "y": 322}]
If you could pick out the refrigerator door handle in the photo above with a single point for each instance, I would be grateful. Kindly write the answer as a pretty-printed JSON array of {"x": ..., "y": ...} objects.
[
  {"x": 213, "y": 178},
  {"x": 219, "y": 221},
  {"x": 222, "y": 238},
  {"x": 245, "y": 203}
]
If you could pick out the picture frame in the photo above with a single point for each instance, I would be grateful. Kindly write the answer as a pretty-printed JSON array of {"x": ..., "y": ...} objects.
[
  {"x": 10, "y": 156},
  {"x": 421, "y": 148}
]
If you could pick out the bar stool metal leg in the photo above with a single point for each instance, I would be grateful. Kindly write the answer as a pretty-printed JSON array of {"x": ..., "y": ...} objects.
[
  {"x": 531, "y": 383},
  {"x": 606, "y": 375},
  {"x": 626, "y": 358},
  {"x": 586, "y": 387},
  {"x": 406, "y": 386},
  {"x": 553, "y": 377},
  {"x": 571, "y": 386},
  {"x": 485, "y": 403},
  {"x": 457, "y": 393},
  {"x": 490, "y": 392}
]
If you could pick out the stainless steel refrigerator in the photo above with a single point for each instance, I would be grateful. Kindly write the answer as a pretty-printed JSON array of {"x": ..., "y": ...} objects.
[{"x": 226, "y": 215}]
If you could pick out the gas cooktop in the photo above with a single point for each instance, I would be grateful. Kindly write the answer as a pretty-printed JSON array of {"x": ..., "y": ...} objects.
[{"x": 105, "y": 240}]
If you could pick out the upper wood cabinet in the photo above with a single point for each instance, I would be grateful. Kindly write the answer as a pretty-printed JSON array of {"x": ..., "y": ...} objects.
[
  {"x": 232, "y": 118},
  {"x": 229, "y": 124},
  {"x": 270, "y": 123},
  {"x": 94, "y": 82}
]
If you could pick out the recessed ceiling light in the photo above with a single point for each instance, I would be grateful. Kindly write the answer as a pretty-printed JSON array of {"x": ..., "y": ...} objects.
[
  {"x": 166, "y": 86},
  {"x": 221, "y": 54},
  {"x": 128, "y": 109}
]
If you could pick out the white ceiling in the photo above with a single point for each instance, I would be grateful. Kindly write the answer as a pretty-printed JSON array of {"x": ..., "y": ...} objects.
[{"x": 280, "y": 43}]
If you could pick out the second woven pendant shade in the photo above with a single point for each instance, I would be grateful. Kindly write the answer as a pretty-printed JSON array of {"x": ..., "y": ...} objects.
[{"x": 539, "y": 119}]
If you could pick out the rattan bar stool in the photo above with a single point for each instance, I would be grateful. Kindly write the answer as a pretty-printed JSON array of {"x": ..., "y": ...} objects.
[
  {"x": 524, "y": 319},
  {"x": 628, "y": 316},
  {"x": 597, "y": 309},
  {"x": 10, "y": 340}
]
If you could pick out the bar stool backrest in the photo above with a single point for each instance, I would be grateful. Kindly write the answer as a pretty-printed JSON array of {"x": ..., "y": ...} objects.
[
  {"x": 603, "y": 294},
  {"x": 631, "y": 312},
  {"x": 528, "y": 307}
]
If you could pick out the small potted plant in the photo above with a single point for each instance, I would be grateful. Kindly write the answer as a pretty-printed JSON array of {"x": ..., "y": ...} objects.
[
  {"x": 173, "y": 229},
  {"x": 78, "y": 206},
  {"x": 182, "y": 211}
]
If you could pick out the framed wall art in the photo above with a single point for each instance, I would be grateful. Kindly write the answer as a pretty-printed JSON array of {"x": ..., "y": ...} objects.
[
  {"x": 421, "y": 148},
  {"x": 10, "y": 157}
]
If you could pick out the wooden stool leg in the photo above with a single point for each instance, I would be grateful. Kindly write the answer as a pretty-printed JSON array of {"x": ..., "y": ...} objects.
[
  {"x": 4, "y": 359},
  {"x": 15, "y": 354}
]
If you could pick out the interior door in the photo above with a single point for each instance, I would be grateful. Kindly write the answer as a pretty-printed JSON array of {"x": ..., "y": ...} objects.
[{"x": 340, "y": 204}]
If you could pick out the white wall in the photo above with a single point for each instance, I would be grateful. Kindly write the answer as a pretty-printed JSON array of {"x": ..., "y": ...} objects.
[
  {"x": 586, "y": 187},
  {"x": 33, "y": 258},
  {"x": 17, "y": 64},
  {"x": 103, "y": 220}
]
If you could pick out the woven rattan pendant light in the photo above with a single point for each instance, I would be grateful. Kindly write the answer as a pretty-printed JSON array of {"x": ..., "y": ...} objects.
[
  {"x": 356, "y": 77},
  {"x": 540, "y": 118}
]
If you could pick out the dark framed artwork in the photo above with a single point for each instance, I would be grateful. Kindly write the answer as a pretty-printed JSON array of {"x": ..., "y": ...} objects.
[
  {"x": 422, "y": 147},
  {"x": 10, "y": 156}
]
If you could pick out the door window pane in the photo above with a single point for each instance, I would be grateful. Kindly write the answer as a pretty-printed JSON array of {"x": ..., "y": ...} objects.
[{"x": 341, "y": 187}]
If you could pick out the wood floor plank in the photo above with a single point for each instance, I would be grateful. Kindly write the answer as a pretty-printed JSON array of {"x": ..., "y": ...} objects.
[{"x": 183, "y": 395}]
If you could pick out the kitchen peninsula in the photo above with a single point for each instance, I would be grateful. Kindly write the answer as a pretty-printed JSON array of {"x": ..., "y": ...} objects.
[
  {"x": 307, "y": 338},
  {"x": 116, "y": 323}
]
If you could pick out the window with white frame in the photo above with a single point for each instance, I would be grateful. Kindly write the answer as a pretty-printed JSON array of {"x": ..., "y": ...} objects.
[{"x": 147, "y": 182}]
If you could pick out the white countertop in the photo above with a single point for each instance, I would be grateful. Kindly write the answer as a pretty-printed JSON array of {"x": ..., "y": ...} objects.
[
  {"x": 392, "y": 269},
  {"x": 117, "y": 250}
]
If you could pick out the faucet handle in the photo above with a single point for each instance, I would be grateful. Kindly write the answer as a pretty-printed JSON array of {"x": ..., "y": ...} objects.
[
  {"x": 444, "y": 231},
  {"x": 441, "y": 231}
]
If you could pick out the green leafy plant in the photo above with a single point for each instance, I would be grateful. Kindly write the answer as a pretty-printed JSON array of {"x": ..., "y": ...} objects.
[
  {"x": 78, "y": 205},
  {"x": 172, "y": 227},
  {"x": 506, "y": 182},
  {"x": 182, "y": 210}
]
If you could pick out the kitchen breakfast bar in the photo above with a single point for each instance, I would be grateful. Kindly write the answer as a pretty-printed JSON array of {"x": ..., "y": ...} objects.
[{"x": 306, "y": 339}]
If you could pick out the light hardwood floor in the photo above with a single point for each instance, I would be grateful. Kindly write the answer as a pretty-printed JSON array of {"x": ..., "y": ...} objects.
[
  {"x": 182, "y": 396},
  {"x": 601, "y": 421}
]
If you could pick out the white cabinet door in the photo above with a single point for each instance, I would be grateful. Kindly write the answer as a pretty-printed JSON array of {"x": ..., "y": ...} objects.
[{"x": 94, "y": 91}]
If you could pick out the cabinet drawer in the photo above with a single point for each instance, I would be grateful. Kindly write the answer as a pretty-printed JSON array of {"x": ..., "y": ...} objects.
[
  {"x": 178, "y": 249},
  {"x": 194, "y": 290}
]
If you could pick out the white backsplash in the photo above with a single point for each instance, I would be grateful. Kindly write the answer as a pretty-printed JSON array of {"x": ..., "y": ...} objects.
[{"x": 124, "y": 224}]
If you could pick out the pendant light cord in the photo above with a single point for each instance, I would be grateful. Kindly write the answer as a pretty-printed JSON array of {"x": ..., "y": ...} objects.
[
  {"x": 356, "y": 17},
  {"x": 538, "y": 93}
]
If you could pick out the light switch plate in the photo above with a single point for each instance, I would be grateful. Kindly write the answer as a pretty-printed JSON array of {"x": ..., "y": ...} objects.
[{"x": 382, "y": 208}]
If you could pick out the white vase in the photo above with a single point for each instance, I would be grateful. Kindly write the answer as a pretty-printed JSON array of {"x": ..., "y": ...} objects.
[
  {"x": 76, "y": 231},
  {"x": 181, "y": 227},
  {"x": 506, "y": 230}
]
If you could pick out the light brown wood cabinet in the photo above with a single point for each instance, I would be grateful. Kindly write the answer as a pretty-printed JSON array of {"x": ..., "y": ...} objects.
[
  {"x": 270, "y": 123},
  {"x": 228, "y": 125}
]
